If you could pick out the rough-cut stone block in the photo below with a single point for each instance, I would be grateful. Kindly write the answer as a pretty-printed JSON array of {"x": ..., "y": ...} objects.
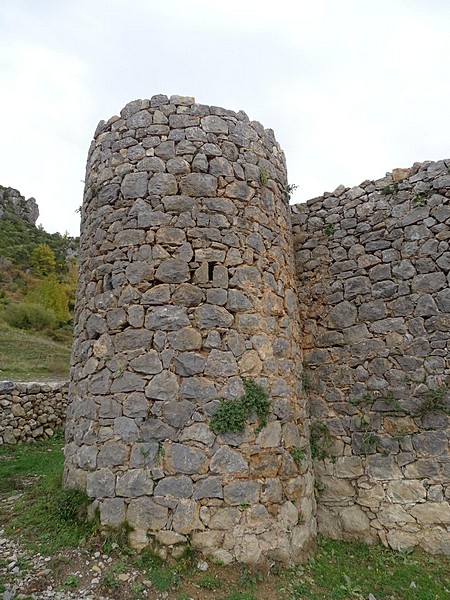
[
  {"x": 172, "y": 270},
  {"x": 144, "y": 513},
  {"x": 198, "y": 185},
  {"x": 163, "y": 386},
  {"x": 175, "y": 487},
  {"x": 184, "y": 459},
  {"x": 225, "y": 460},
  {"x": 100, "y": 484},
  {"x": 221, "y": 364},
  {"x": 241, "y": 492},
  {"x": 211, "y": 487},
  {"x": 134, "y": 185},
  {"x": 134, "y": 483}
]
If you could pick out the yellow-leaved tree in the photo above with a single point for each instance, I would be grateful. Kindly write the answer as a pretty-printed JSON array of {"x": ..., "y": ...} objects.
[{"x": 42, "y": 260}]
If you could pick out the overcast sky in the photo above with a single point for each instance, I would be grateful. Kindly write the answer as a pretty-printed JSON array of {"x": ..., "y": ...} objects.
[{"x": 352, "y": 88}]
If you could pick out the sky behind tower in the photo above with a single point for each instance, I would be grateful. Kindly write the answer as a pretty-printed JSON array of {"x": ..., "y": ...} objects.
[{"x": 351, "y": 88}]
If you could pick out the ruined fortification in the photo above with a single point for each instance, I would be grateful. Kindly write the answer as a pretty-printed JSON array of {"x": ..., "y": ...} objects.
[{"x": 191, "y": 292}]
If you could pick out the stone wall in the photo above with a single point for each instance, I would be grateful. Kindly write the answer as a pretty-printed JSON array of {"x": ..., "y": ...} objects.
[
  {"x": 187, "y": 284},
  {"x": 373, "y": 266},
  {"x": 31, "y": 411}
]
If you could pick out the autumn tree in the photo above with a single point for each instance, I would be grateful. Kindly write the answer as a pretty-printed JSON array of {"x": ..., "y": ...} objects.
[{"x": 42, "y": 260}]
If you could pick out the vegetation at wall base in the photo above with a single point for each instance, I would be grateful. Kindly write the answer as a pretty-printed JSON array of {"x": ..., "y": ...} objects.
[{"x": 44, "y": 518}]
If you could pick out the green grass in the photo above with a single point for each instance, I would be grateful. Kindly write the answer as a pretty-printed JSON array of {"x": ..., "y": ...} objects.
[
  {"x": 26, "y": 355},
  {"x": 45, "y": 517},
  {"x": 343, "y": 570}
]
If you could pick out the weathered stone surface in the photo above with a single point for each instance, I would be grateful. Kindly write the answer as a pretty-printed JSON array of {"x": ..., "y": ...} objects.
[
  {"x": 200, "y": 389},
  {"x": 178, "y": 412},
  {"x": 432, "y": 513},
  {"x": 175, "y": 487},
  {"x": 112, "y": 512},
  {"x": 354, "y": 520},
  {"x": 100, "y": 484},
  {"x": 167, "y": 318},
  {"x": 221, "y": 364},
  {"x": 186, "y": 517},
  {"x": 211, "y": 487},
  {"x": 226, "y": 460},
  {"x": 209, "y": 316},
  {"x": 187, "y": 295},
  {"x": 241, "y": 492},
  {"x": 186, "y": 338},
  {"x": 198, "y": 432},
  {"x": 342, "y": 315},
  {"x": 134, "y": 185},
  {"x": 148, "y": 363},
  {"x": 134, "y": 483},
  {"x": 405, "y": 491},
  {"x": 382, "y": 467},
  {"x": 198, "y": 185},
  {"x": 144, "y": 513},
  {"x": 126, "y": 429},
  {"x": 163, "y": 386},
  {"x": 189, "y": 363},
  {"x": 172, "y": 270},
  {"x": 181, "y": 458}
]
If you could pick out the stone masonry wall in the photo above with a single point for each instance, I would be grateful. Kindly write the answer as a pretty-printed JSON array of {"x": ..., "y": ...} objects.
[
  {"x": 187, "y": 284},
  {"x": 31, "y": 411},
  {"x": 373, "y": 266}
]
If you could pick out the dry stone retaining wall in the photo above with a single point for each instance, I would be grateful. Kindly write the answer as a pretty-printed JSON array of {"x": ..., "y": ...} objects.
[
  {"x": 373, "y": 265},
  {"x": 31, "y": 411},
  {"x": 187, "y": 284}
]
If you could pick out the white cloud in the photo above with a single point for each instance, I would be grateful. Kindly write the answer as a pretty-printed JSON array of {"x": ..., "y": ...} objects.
[{"x": 352, "y": 89}]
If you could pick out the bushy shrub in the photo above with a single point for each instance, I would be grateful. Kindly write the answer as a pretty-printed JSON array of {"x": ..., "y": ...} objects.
[
  {"x": 51, "y": 294},
  {"x": 29, "y": 316}
]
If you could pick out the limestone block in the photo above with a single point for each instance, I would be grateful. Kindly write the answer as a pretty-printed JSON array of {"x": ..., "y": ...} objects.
[
  {"x": 144, "y": 513},
  {"x": 405, "y": 491}
]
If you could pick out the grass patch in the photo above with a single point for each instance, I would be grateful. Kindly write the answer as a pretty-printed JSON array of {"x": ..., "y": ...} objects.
[
  {"x": 45, "y": 517},
  {"x": 27, "y": 355},
  {"x": 342, "y": 570}
]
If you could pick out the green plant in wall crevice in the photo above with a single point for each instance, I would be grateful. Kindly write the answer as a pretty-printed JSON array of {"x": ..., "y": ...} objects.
[
  {"x": 321, "y": 441},
  {"x": 434, "y": 401},
  {"x": 263, "y": 177},
  {"x": 231, "y": 415}
]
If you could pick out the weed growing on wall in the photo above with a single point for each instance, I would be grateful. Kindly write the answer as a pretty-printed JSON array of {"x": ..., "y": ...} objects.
[
  {"x": 232, "y": 415},
  {"x": 435, "y": 402},
  {"x": 263, "y": 177},
  {"x": 321, "y": 441},
  {"x": 306, "y": 382},
  {"x": 329, "y": 229},
  {"x": 419, "y": 199},
  {"x": 390, "y": 189},
  {"x": 298, "y": 454},
  {"x": 290, "y": 189}
]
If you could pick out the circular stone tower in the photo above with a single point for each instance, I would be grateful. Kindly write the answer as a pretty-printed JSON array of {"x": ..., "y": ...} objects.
[{"x": 186, "y": 293}]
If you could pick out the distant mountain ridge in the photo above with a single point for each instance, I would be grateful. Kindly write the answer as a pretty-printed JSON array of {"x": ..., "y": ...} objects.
[
  {"x": 11, "y": 199},
  {"x": 19, "y": 234}
]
